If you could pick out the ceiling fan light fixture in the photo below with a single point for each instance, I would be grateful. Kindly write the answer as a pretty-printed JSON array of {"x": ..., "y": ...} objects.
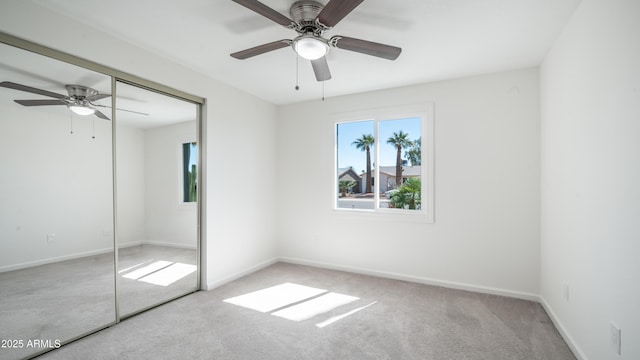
[
  {"x": 310, "y": 47},
  {"x": 81, "y": 110}
]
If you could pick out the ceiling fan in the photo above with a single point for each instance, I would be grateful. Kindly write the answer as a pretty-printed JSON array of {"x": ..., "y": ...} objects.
[
  {"x": 310, "y": 20},
  {"x": 80, "y": 99}
]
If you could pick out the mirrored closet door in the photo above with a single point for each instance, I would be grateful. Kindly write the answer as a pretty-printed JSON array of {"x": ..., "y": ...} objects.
[
  {"x": 99, "y": 197},
  {"x": 56, "y": 203},
  {"x": 157, "y": 204}
]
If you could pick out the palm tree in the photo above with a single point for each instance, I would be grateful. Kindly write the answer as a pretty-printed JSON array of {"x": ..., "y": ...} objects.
[
  {"x": 364, "y": 143},
  {"x": 400, "y": 140},
  {"x": 408, "y": 195},
  {"x": 345, "y": 186}
]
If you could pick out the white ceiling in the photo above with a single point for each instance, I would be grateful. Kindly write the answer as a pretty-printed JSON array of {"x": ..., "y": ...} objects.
[{"x": 441, "y": 39}]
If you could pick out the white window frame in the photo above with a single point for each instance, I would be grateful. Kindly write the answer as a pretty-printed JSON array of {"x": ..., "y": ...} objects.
[{"x": 425, "y": 112}]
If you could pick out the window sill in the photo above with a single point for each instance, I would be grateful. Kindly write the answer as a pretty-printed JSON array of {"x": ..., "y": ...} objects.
[{"x": 408, "y": 216}]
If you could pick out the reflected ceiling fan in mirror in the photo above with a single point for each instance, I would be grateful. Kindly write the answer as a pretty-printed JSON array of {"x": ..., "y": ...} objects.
[
  {"x": 310, "y": 20},
  {"x": 79, "y": 101}
]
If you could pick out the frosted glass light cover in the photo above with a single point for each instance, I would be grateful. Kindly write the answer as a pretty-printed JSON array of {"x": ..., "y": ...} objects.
[
  {"x": 82, "y": 110},
  {"x": 310, "y": 48}
]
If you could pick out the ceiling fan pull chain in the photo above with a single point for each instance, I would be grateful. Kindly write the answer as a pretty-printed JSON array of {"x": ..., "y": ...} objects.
[
  {"x": 297, "y": 61},
  {"x": 93, "y": 130},
  {"x": 323, "y": 90},
  {"x": 71, "y": 122}
]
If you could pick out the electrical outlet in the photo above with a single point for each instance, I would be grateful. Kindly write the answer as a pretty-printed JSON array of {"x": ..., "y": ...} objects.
[
  {"x": 51, "y": 238},
  {"x": 615, "y": 338},
  {"x": 565, "y": 292}
]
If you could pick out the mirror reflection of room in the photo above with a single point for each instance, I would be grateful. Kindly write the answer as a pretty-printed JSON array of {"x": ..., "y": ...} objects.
[
  {"x": 156, "y": 157},
  {"x": 56, "y": 212}
]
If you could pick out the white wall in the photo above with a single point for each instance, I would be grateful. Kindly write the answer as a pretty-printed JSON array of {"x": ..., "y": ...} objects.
[
  {"x": 240, "y": 129},
  {"x": 130, "y": 149},
  {"x": 168, "y": 221},
  {"x": 590, "y": 191},
  {"x": 486, "y": 230},
  {"x": 53, "y": 182}
]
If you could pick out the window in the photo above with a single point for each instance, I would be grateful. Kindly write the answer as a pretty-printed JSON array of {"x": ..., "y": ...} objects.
[
  {"x": 381, "y": 163},
  {"x": 189, "y": 172}
]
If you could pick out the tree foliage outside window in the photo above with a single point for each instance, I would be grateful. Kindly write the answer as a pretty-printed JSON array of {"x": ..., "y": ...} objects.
[
  {"x": 408, "y": 195},
  {"x": 189, "y": 172},
  {"x": 414, "y": 153},
  {"x": 346, "y": 186}
]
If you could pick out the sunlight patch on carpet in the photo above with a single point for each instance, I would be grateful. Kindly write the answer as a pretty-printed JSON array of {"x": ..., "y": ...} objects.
[
  {"x": 162, "y": 273},
  {"x": 297, "y": 302},
  {"x": 342, "y": 316},
  {"x": 169, "y": 274},
  {"x": 134, "y": 266},
  {"x": 275, "y": 297},
  {"x": 144, "y": 271},
  {"x": 314, "y": 307}
]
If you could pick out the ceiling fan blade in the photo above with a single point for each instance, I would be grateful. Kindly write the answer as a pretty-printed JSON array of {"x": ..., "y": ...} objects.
[
  {"x": 12, "y": 85},
  {"x": 321, "y": 69},
  {"x": 131, "y": 111},
  {"x": 266, "y": 11},
  {"x": 40, "y": 102},
  {"x": 101, "y": 115},
  {"x": 366, "y": 47},
  {"x": 335, "y": 11},
  {"x": 98, "y": 97},
  {"x": 261, "y": 49}
]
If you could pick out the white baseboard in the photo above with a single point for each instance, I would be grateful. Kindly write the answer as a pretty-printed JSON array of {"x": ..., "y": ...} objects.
[
  {"x": 46, "y": 261},
  {"x": 39, "y": 262},
  {"x": 168, "y": 244},
  {"x": 130, "y": 244},
  {"x": 415, "y": 279},
  {"x": 156, "y": 243},
  {"x": 227, "y": 279},
  {"x": 562, "y": 330}
]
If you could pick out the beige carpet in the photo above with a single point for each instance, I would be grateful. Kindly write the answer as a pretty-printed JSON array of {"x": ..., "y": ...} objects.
[{"x": 370, "y": 318}]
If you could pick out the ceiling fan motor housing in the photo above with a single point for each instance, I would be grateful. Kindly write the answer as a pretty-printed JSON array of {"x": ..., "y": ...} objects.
[
  {"x": 80, "y": 92},
  {"x": 78, "y": 99},
  {"x": 304, "y": 13}
]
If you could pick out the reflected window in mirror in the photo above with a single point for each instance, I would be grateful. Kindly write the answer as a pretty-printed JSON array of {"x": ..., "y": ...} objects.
[{"x": 189, "y": 172}]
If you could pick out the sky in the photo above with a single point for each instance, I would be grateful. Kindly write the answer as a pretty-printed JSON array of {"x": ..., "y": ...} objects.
[{"x": 349, "y": 155}]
